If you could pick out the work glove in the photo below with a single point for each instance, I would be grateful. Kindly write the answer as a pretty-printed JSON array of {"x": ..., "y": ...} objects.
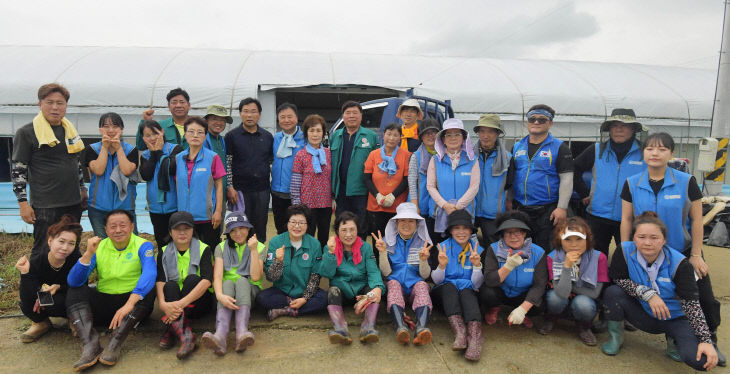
[
  {"x": 380, "y": 199},
  {"x": 389, "y": 200},
  {"x": 513, "y": 260},
  {"x": 517, "y": 316}
]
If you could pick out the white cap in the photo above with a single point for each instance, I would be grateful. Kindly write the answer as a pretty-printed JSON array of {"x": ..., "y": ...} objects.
[{"x": 569, "y": 233}]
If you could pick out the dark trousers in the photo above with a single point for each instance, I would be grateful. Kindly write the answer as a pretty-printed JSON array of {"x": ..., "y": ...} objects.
[
  {"x": 334, "y": 296},
  {"x": 45, "y": 217},
  {"x": 197, "y": 308},
  {"x": 274, "y": 298},
  {"x": 278, "y": 207},
  {"x": 620, "y": 306},
  {"x": 321, "y": 223},
  {"x": 435, "y": 236},
  {"x": 454, "y": 302},
  {"x": 540, "y": 224},
  {"x": 489, "y": 231},
  {"x": 491, "y": 297},
  {"x": 104, "y": 305},
  {"x": 377, "y": 222},
  {"x": 28, "y": 296},
  {"x": 710, "y": 305},
  {"x": 357, "y": 205},
  {"x": 161, "y": 227},
  {"x": 603, "y": 231},
  {"x": 207, "y": 234},
  {"x": 257, "y": 211}
]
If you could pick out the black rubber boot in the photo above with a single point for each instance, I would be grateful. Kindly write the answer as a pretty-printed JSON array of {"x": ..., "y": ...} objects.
[
  {"x": 720, "y": 357},
  {"x": 423, "y": 333},
  {"x": 80, "y": 316},
  {"x": 110, "y": 356},
  {"x": 402, "y": 333}
]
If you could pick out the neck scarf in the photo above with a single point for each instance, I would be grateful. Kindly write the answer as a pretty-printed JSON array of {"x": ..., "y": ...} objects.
[
  {"x": 503, "y": 250},
  {"x": 356, "y": 253},
  {"x": 169, "y": 260},
  {"x": 230, "y": 259},
  {"x": 287, "y": 145},
  {"x": 388, "y": 165},
  {"x": 425, "y": 158},
  {"x": 44, "y": 134},
  {"x": 501, "y": 161},
  {"x": 653, "y": 270},
  {"x": 465, "y": 252},
  {"x": 455, "y": 158},
  {"x": 408, "y": 133},
  {"x": 585, "y": 270},
  {"x": 319, "y": 158}
]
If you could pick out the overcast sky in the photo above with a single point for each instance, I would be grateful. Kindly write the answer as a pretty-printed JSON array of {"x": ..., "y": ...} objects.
[{"x": 678, "y": 32}]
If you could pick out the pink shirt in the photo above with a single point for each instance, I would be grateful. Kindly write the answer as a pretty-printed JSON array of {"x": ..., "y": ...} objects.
[{"x": 218, "y": 170}]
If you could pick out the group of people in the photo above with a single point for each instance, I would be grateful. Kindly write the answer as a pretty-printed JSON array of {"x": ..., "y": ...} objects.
[{"x": 486, "y": 226}]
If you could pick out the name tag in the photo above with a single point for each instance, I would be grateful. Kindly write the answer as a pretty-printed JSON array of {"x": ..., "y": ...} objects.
[
  {"x": 463, "y": 173},
  {"x": 521, "y": 152},
  {"x": 529, "y": 270},
  {"x": 412, "y": 257},
  {"x": 635, "y": 163},
  {"x": 468, "y": 267},
  {"x": 664, "y": 279},
  {"x": 672, "y": 197},
  {"x": 201, "y": 169}
]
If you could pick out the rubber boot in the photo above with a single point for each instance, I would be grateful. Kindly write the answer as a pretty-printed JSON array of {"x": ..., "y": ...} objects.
[
  {"x": 671, "y": 350},
  {"x": 81, "y": 318},
  {"x": 368, "y": 334},
  {"x": 548, "y": 323},
  {"x": 167, "y": 340},
  {"x": 490, "y": 317},
  {"x": 585, "y": 334},
  {"x": 35, "y": 331},
  {"x": 459, "y": 329},
  {"x": 111, "y": 353},
  {"x": 720, "y": 357},
  {"x": 599, "y": 325},
  {"x": 616, "y": 338},
  {"x": 402, "y": 334},
  {"x": 340, "y": 334},
  {"x": 217, "y": 341},
  {"x": 273, "y": 314},
  {"x": 244, "y": 338},
  {"x": 423, "y": 333},
  {"x": 183, "y": 331},
  {"x": 474, "y": 349}
]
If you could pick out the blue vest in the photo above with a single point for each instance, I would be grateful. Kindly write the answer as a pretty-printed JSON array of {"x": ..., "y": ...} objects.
[
  {"x": 665, "y": 278},
  {"x": 671, "y": 204},
  {"x": 103, "y": 193},
  {"x": 536, "y": 180},
  {"x": 491, "y": 197},
  {"x": 519, "y": 279},
  {"x": 426, "y": 205},
  {"x": 459, "y": 276},
  {"x": 407, "y": 275},
  {"x": 161, "y": 202},
  {"x": 197, "y": 198},
  {"x": 281, "y": 168},
  {"x": 452, "y": 184},
  {"x": 608, "y": 180}
]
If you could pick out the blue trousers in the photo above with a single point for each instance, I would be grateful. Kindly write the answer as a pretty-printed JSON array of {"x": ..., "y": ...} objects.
[
  {"x": 582, "y": 307},
  {"x": 274, "y": 298},
  {"x": 96, "y": 217}
]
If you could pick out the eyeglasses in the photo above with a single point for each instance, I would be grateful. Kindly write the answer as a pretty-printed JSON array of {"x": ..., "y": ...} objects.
[
  {"x": 195, "y": 133},
  {"x": 298, "y": 223},
  {"x": 540, "y": 120},
  {"x": 453, "y": 135}
]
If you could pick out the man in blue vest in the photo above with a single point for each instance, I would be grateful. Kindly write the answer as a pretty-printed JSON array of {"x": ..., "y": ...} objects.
[
  {"x": 287, "y": 143},
  {"x": 541, "y": 175},
  {"x": 611, "y": 162},
  {"x": 178, "y": 102}
]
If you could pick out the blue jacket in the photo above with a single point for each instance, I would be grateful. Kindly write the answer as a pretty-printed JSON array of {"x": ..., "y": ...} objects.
[
  {"x": 406, "y": 274},
  {"x": 491, "y": 197},
  {"x": 281, "y": 168},
  {"x": 455, "y": 273},
  {"x": 665, "y": 278},
  {"x": 103, "y": 193},
  {"x": 671, "y": 204},
  {"x": 426, "y": 205},
  {"x": 536, "y": 180},
  {"x": 608, "y": 180},
  {"x": 452, "y": 184},
  {"x": 198, "y": 198},
  {"x": 161, "y": 202},
  {"x": 519, "y": 279}
]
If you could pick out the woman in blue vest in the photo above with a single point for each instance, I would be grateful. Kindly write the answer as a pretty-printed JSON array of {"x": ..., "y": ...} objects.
[
  {"x": 154, "y": 167},
  {"x": 111, "y": 163},
  {"x": 418, "y": 171},
  {"x": 184, "y": 275},
  {"x": 677, "y": 200},
  {"x": 655, "y": 290},
  {"x": 577, "y": 274},
  {"x": 199, "y": 176},
  {"x": 403, "y": 260},
  {"x": 457, "y": 277},
  {"x": 453, "y": 173},
  {"x": 515, "y": 271}
]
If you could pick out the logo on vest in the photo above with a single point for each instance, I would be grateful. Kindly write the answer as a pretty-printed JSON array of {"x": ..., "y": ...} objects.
[
  {"x": 305, "y": 256},
  {"x": 149, "y": 253},
  {"x": 664, "y": 279},
  {"x": 365, "y": 143},
  {"x": 463, "y": 173},
  {"x": 635, "y": 163},
  {"x": 129, "y": 255},
  {"x": 672, "y": 197},
  {"x": 521, "y": 152},
  {"x": 529, "y": 270},
  {"x": 201, "y": 169}
]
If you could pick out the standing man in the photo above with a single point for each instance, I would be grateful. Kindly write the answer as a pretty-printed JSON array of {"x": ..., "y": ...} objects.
[
  {"x": 287, "y": 143},
  {"x": 46, "y": 157},
  {"x": 350, "y": 147},
  {"x": 217, "y": 117},
  {"x": 611, "y": 162},
  {"x": 249, "y": 155},
  {"x": 178, "y": 102},
  {"x": 410, "y": 113},
  {"x": 541, "y": 173},
  {"x": 493, "y": 165}
]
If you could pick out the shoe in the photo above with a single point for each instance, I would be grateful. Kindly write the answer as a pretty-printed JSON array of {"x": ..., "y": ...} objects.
[
  {"x": 82, "y": 319},
  {"x": 459, "y": 328},
  {"x": 273, "y": 314},
  {"x": 474, "y": 341},
  {"x": 616, "y": 338},
  {"x": 217, "y": 341},
  {"x": 671, "y": 350},
  {"x": 167, "y": 340},
  {"x": 368, "y": 334},
  {"x": 423, "y": 333},
  {"x": 111, "y": 353},
  {"x": 35, "y": 331},
  {"x": 585, "y": 334},
  {"x": 402, "y": 333},
  {"x": 490, "y": 317},
  {"x": 548, "y": 323},
  {"x": 720, "y": 357}
]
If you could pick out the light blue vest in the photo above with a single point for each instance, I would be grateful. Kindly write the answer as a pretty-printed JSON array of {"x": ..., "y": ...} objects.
[
  {"x": 452, "y": 184},
  {"x": 281, "y": 168},
  {"x": 426, "y": 205},
  {"x": 459, "y": 276},
  {"x": 197, "y": 198},
  {"x": 407, "y": 275},
  {"x": 161, "y": 202},
  {"x": 491, "y": 197},
  {"x": 671, "y": 204},
  {"x": 519, "y": 279},
  {"x": 665, "y": 278},
  {"x": 103, "y": 193},
  {"x": 608, "y": 180},
  {"x": 536, "y": 181}
]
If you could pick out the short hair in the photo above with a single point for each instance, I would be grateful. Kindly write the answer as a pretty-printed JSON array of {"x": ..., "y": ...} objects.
[
  {"x": 659, "y": 139},
  {"x": 197, "y": 120},
  {"x": 649, "y": 217},
  {"x": 119, "y": 211},
  {"x": 313, "y": 120},
  {"x": 351, "y": 104},
  {"x": 176, "y": 92},
  {"x": 572, "y": 224},
  {"x": 393, "y": 126},
  {"x": 50, "y": 88},
  {"x": 149, "y": 124},
  {"x": 344, "y": 217},
  {"x": 285, "y": 106},
  {"x": 544, "y": 107},
  {"x": 114, "y": 118},
  {"x": 67, "y": 223},
  {"x": 247, "y": 101},
  {"x": 299, "y": 209}
]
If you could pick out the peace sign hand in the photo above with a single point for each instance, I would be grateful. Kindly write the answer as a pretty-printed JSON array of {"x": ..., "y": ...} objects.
[
  {"x": 474, "y": 257},
  {"x": 379, "y": 242},
  {"x": 443, "y": 258},
  {"x": 425, "y": 252}
]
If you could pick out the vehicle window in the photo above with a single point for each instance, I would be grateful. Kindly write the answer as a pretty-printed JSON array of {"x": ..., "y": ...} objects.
[{"x": 371, "y": 117}]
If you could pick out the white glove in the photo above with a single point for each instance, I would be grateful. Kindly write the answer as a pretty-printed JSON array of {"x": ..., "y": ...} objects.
[
  {"x": 514, "y": 261},
  {"x": 389, "y": 200},
  {"x": 517, "y": 316},
  {"x": 380, "y": 199}
]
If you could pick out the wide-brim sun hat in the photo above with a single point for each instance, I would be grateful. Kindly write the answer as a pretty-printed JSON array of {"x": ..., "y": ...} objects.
[
  {"x": 218, "y": 110},
  {"x": 428, "y": 124},
  {"x": 405, "y": 210},
  {"x": 410, "y": 103},
  {"x": 626, "y": 116},
  {"x": 466, "y": 146}
]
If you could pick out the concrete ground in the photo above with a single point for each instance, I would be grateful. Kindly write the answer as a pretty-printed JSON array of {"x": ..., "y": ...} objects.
[{"x": 300, "y": 345}]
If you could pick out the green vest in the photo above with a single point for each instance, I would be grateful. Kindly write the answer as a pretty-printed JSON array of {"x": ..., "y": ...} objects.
[
  {"x": 183, "y": 263},
  {"x": 231, "y": 275},
  {"x": 118, "y": 271}
]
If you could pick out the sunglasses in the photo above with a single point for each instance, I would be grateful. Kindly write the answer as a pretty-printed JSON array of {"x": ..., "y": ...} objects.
[{"x": 541, "y": 120}]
